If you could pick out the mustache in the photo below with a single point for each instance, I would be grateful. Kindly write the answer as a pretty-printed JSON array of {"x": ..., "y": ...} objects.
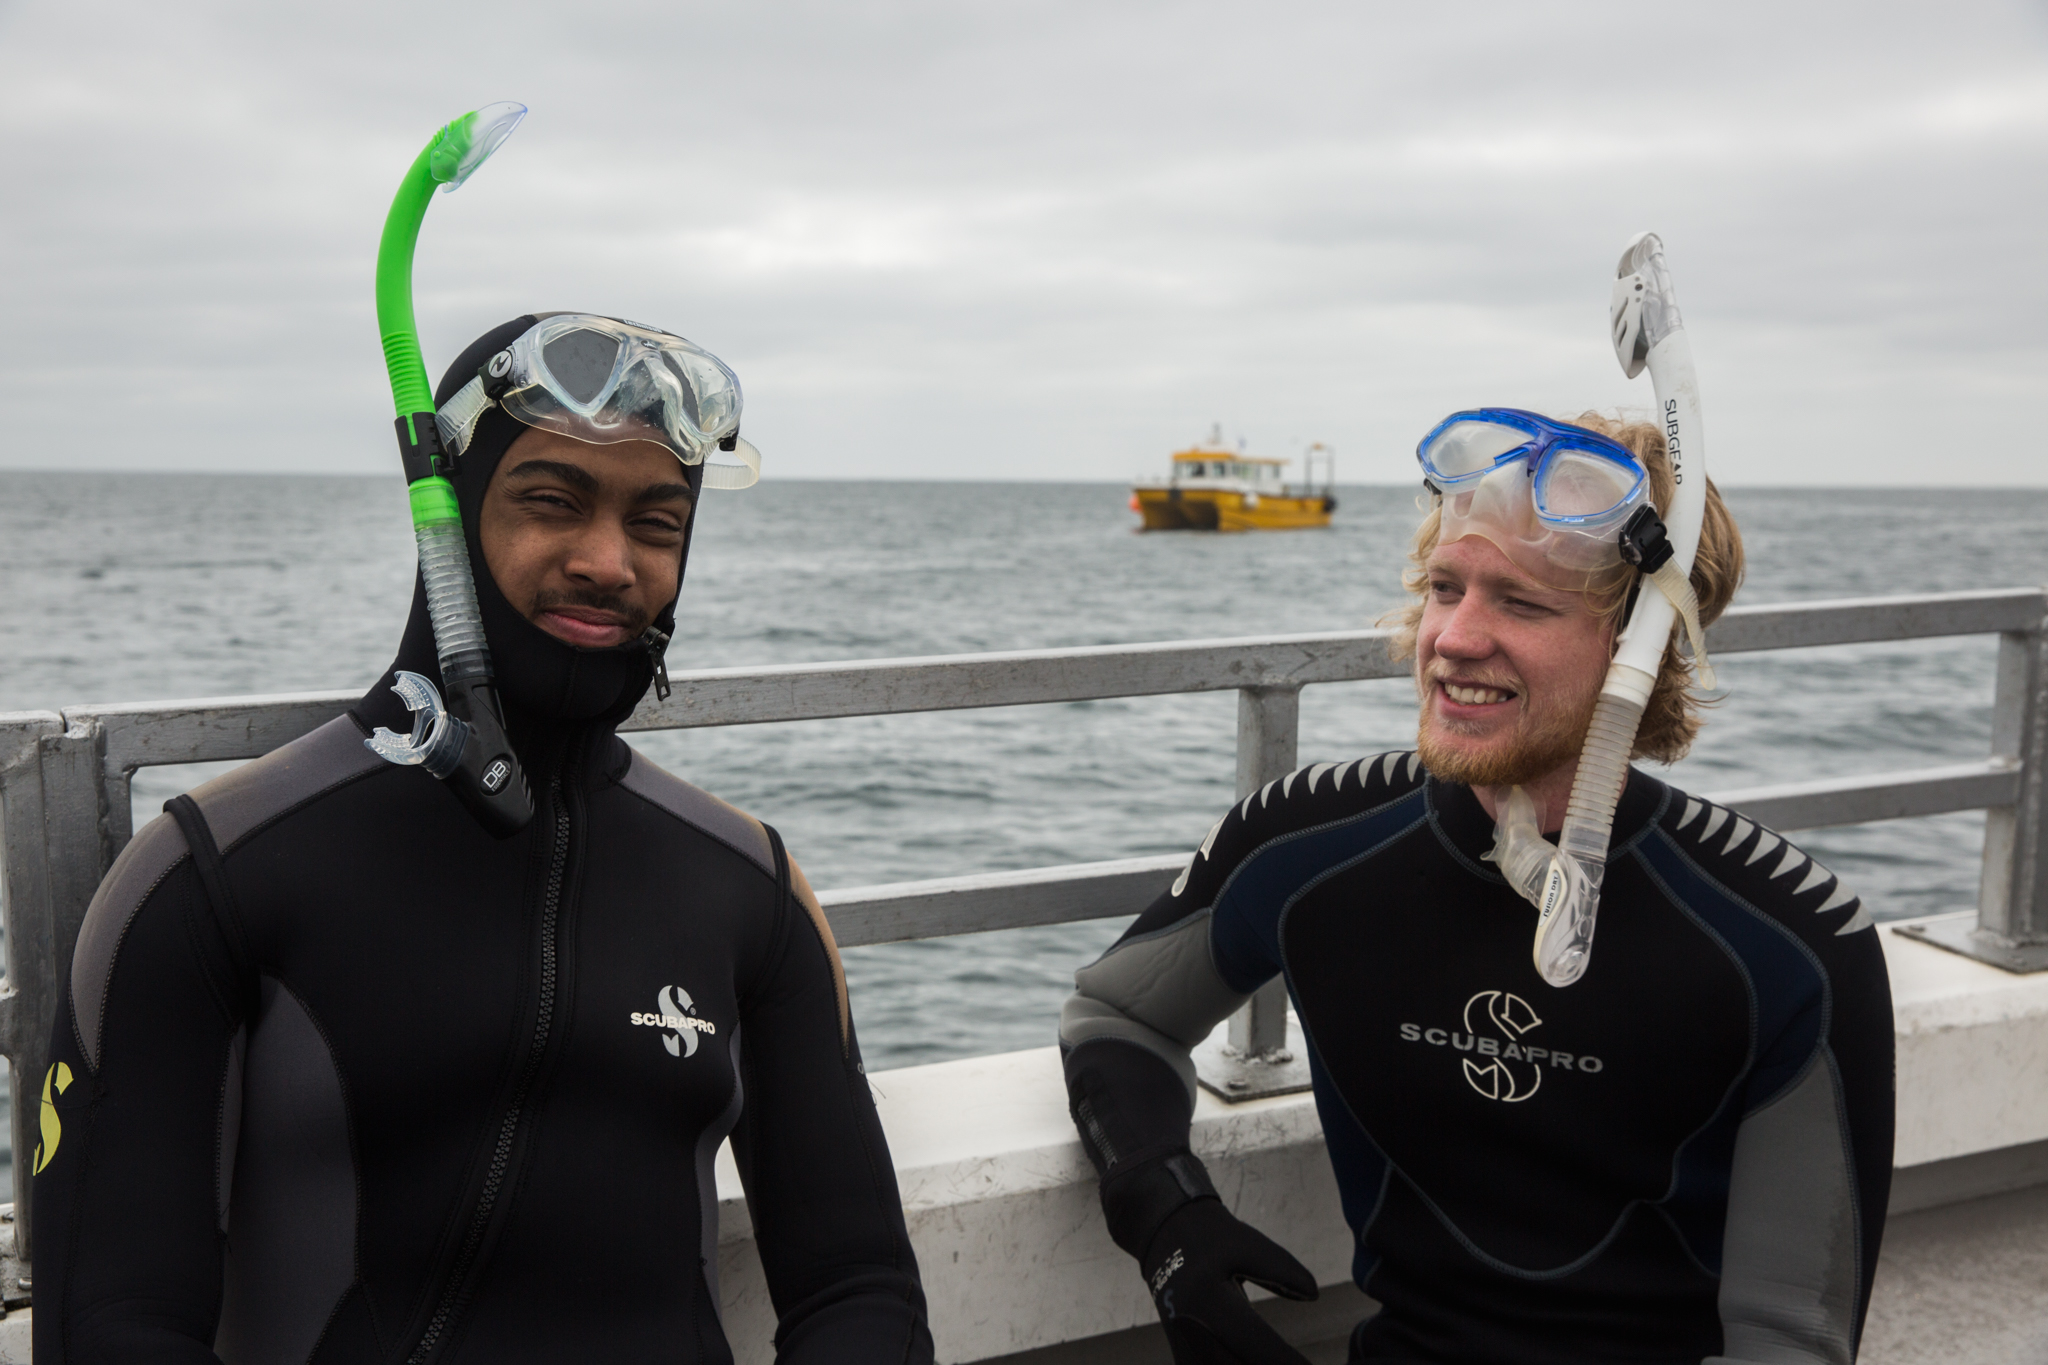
[
  {"x": 637, "y": 619},
  {"x": 1440, "y": 672}
]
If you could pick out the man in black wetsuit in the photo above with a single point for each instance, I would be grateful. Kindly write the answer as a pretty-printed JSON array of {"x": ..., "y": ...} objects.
[
  {"x": 1683, "y": 1156},
  {"x": 339, "y": 1077}
]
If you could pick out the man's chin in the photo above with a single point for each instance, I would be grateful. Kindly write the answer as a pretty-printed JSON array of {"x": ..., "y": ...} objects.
[{"x": 1508, "y": 761}]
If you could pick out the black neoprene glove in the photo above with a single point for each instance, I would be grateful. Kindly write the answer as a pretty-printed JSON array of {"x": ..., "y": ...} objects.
[{"x": 1195, "y": 1258}]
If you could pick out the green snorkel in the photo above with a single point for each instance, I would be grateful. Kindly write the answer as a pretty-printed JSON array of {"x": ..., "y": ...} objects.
[{"x": 463, "y": 743}]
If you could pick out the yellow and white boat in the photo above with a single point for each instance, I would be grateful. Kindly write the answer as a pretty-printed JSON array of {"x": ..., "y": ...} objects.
[{"x": 1215, "y": 489}]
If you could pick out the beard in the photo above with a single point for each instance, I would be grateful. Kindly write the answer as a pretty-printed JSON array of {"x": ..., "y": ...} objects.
[{"x": 1538, "y": 745}]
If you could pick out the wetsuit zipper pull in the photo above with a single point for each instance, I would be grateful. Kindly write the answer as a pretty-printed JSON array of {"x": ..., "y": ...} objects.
[{"x": 656, "y": 645}]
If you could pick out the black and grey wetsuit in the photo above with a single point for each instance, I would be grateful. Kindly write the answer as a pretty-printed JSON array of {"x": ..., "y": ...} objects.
[
  {"x": 1684, "y": 1156},
  {"x": 340, "y": 1078}
]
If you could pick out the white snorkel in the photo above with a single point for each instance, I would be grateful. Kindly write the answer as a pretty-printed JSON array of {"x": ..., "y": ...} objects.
[{"x": 1564, "y": 881}]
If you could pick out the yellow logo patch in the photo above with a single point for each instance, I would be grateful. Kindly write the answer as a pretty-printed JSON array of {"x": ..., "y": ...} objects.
[{"x": 53, "y": 1130}]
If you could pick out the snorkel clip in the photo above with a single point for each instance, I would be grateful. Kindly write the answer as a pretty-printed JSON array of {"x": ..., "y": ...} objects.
[
  {"x": 420, "y": 448},
  {"x": 1644, "y": 542}
]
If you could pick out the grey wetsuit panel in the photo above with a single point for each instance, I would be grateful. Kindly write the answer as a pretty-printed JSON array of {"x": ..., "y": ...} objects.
[
  {"x": 708, "y": 1143},
  {"x": 1161, "y": 992},
  {"x": 729, "y": 825},
  {"x": 238, "y": 802},
  {"x": 146, "y": 861},
  {"x": 292, "y": 1215},
  {"x": 1790, "y": 1260}
]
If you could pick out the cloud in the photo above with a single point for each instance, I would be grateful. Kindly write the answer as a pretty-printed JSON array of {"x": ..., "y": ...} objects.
[{"x": 1052, "y": 240}]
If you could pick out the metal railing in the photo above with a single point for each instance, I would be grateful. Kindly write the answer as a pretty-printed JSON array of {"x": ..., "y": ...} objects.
[{"x": 64, "y": 782}]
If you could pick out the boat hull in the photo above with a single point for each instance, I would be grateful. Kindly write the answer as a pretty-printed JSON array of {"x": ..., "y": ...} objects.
[{"x": 1214, "y": 509}]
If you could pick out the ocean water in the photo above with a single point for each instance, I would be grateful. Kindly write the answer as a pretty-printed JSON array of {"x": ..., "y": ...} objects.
[{"x": 135, "y": 587}]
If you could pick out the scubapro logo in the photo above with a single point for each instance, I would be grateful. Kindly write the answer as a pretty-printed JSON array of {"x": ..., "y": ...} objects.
[
  {"x": 1165, "y": 1272},
  {"x": 678, "y": 1014},
  {"x": 59, "y": 1078},
  {"x": 1505, "y": 1065}
]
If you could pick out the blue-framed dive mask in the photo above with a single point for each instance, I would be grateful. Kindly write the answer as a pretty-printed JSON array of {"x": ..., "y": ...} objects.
[{"x": 1550, "y": 495}]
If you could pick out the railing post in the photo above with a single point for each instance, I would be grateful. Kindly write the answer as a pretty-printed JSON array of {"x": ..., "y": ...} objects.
[
  {"x": 2010, "y": 928},
  {"x": 1268, "y": 737},
  {"x": 57, "y": 847},
  {"x": 2012, "y": 902},
  {"x": 1257, "y": 1058}
]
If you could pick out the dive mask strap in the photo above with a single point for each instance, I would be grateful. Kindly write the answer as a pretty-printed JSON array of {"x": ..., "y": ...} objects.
[
  {"x": 732, "y": 477},
  {"x": 457, "y": 418},
  {"x": 1678, "y": 588}
]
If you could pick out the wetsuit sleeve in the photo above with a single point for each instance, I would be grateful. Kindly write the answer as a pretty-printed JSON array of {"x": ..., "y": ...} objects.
[
  {"x": 1191, "y": 959},
  {"x": 1811, "y": 1173},
  {"x": 128, "y": 1176},
  {"x": 1138, "y": 1011},
  {"x": 820, "y": 1183}
]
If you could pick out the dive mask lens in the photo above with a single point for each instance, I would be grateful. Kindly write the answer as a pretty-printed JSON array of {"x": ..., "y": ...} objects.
[
  {"x": 1467, "y": 448},
  {"x": 1579, "y": 486},
  {"x": 582, "y": 365}
]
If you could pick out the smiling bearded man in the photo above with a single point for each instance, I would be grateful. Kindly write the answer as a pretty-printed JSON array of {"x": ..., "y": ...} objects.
[{"x": 1682, "y": 1156}]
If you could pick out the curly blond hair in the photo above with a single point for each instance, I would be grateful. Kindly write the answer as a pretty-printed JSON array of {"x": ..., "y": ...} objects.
[{"x": 1671, "y": 721}]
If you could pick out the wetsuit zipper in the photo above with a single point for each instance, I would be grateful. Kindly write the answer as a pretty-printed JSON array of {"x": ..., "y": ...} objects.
[{"x": 501, "y": 1155}]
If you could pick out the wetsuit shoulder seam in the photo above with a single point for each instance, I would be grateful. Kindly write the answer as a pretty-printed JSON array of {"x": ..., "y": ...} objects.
[
  {"x": 1776, "y": 926},
  {"x": 1290, "y": 836},
  {"x": 715, "y": 819},
  {"x": 106, "y": 992},
  {"x": 213, "y": 798}
]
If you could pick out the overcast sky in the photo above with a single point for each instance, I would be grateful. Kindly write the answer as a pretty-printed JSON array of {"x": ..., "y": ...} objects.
[{"x": 1048, "y": 240}]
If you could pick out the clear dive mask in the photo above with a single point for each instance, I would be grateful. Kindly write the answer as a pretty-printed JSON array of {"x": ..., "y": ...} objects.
[
  {"x": 605, "y": 380},
  {"x": 1548, "y": 494}
]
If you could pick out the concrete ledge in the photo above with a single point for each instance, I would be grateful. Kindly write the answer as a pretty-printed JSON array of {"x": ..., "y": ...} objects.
[
  {"x": 1001, "y": 1202},
  {"x": 1001, "y": 1206},
  {"x": 1973, "y": 1053},
  {"x": 1938, "y": 1184}
]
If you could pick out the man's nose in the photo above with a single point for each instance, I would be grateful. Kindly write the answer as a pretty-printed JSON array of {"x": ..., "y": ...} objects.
[
  {"x": 602, "y": 555},
  {"x": 1467, "y": 635}
]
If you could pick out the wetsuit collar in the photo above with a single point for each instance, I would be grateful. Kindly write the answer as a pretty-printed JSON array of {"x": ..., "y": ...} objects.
[{"x": 1467, "y": 830}]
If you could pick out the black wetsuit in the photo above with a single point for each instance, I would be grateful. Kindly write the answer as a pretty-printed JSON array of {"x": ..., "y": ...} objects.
[
  {"x": 1684, "y": 1156},
  {"x": 340, "y": 1078}
]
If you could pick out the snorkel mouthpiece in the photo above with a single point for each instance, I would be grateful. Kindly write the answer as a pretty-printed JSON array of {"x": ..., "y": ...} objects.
[
  {"x": 463, "y": 744},
  {"x": 1564, "y": 882},
  {"x": 437, "y": 738}
]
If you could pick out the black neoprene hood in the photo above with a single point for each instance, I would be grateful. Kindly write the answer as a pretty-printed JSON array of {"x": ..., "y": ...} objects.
[{"x": 543, "y": 681}]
